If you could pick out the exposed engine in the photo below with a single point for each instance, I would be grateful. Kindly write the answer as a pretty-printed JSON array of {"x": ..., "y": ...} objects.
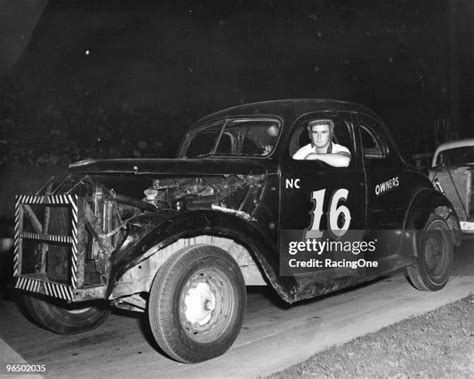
[
  {"x": 93, "y": 219},
  {"x": 239, "y": 193}
]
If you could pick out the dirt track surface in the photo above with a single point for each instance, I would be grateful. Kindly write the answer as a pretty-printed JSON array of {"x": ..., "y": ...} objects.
[{"x": 273, "y": 337}]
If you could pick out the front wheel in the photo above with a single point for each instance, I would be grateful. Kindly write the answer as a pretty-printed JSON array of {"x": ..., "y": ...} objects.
[
  {"x": 61, "y": 318},
  {"x": 435, "y": 256},
  {"x": 197, "y": 304}
]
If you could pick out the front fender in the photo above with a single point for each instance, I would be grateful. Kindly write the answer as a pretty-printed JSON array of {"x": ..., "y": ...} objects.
[
  {"x": 205, "y": 222},
  {"x": 424, "y": 202}
]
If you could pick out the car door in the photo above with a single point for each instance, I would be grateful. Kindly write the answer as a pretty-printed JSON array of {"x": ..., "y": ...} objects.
[
  {"x": 320, "y": 205},
  {"x": 387, "y": 190}
]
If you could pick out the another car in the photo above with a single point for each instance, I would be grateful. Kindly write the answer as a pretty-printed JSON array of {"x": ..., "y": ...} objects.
[
  {"x": 452, "y": 173},
  {"x": 180, "y": 239}
]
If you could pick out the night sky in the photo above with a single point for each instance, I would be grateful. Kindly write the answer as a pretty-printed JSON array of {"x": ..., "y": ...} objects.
[{"x": 195, "y": 57}]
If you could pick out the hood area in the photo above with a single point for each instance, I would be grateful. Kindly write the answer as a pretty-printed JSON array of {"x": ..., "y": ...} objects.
[
  {"x": 153, "y": 185},
  {"x": 224, "y": 184},
  {"x": 169, "y": 167}
]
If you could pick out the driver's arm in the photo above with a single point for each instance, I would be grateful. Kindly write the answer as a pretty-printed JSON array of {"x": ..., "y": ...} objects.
[{"x": 341, "y": 159}]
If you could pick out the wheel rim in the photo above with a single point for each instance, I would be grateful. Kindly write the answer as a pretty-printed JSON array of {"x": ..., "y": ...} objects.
[
  {"x": 206, "y": 305},
  {"x": 434, "y": 255}
]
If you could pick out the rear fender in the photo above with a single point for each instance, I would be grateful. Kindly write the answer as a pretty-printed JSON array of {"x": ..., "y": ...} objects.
[{"x": 425, "y": 202}]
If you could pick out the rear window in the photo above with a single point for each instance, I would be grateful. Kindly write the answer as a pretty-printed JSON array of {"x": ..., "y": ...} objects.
[{"x": 456, "y": 157}]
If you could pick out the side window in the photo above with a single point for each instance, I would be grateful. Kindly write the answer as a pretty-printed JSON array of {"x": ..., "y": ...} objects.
[
  {"x": 371, "y": 146},
  {"x": 203, "y": 142},
  {"x": 375, "y": 143},
  {"x": 339, "y": 140}
]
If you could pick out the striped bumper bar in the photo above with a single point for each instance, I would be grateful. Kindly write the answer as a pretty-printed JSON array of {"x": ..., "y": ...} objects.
[{"x": 60, "y": 291}]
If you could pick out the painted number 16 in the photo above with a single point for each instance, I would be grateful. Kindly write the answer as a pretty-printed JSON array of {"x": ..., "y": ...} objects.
[{"x": 335, "y": 211}]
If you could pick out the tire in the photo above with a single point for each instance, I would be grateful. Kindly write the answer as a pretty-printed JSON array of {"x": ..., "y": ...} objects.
[
  {"x": 62, "y": 319},
  {"x": 197, "y": 304},
  {"x": 435, "y": 256}
]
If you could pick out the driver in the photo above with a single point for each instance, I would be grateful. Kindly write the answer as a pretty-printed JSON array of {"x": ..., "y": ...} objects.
[{"x": 321, "y": 147}]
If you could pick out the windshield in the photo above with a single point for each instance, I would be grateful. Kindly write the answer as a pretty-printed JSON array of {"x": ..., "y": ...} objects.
[
  {"x": 242, "y": 137},
  {"x": 456, "y": 157}
]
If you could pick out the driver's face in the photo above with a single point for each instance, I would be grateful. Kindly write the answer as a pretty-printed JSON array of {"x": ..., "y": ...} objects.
[{"x": 320, "y": 135}]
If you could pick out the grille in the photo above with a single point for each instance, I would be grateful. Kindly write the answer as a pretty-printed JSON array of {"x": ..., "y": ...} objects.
[{"x": 45, "y": 244}]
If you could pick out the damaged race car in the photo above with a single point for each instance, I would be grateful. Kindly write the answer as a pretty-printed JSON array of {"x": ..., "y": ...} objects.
[{"x": 180, "y": 239}]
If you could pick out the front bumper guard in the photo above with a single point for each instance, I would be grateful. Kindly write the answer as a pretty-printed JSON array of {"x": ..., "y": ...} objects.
[{"x": 37, "y": 280}]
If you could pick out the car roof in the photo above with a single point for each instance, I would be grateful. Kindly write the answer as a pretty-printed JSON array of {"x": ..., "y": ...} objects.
[
  {"x": 288, "y": 109},
  {"x": 452, "y": 145}
]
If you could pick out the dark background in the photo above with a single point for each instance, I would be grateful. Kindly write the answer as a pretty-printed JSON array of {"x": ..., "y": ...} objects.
[
  {"x": 113, "y": 78},
  {"x": 125, "y": 78}
]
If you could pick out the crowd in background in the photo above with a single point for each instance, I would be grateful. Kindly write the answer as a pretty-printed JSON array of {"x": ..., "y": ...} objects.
[
  {"x": 63, "y": 150},
  {"x": 78, "y": 128},
  {"x": 62, "y": 136},
  {"x": 69, "y": 151}
]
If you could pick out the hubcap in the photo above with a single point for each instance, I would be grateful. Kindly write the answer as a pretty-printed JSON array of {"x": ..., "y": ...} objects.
[
  {"x": 206, "y": 305},
  {"x": 199, "y": 303}
]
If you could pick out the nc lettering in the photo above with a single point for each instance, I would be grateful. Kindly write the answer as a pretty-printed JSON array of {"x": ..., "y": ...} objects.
[{"x": 292, "y": 183}]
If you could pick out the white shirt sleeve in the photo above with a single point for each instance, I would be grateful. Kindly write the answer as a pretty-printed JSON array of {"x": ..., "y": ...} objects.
[
  {"x": 307, "y": 149},
  {"x": 336, "y": 148},
  {"x": 303, "y": 152}
]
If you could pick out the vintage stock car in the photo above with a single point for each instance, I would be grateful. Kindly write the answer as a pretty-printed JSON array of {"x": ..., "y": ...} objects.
[
  {"x": 452, "y": 172},
  {"x": 180, "y": 239}
]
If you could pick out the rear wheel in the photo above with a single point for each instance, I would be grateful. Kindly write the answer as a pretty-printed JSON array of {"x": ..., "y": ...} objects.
[
  {"x": 197, "y": 304},
  {"x": 61, "y": 318},
  {"x": 435, "y": 256}
]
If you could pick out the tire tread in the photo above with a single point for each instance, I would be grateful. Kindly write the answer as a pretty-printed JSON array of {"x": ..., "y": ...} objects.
[{"x": 163, "y": 292}]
